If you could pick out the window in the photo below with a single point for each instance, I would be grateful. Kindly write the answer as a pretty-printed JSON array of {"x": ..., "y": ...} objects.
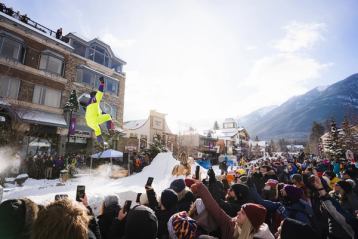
[
  {"x": 117, "y": 67},
  {"x": 99, "y": 55},
  {"x": 46, "y": 96},
  {"x": 80, "y": 49},
  {"x": 11, "y": 47},
  {"x": 91, "y": 78},
  {"x": 52, "y": 63},
  {"x": 9, "y": 87},
  {"x": 109, "y": 109}
]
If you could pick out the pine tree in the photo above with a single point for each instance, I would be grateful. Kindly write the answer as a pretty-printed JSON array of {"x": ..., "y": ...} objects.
[
  {"x": 313, "y": 142},
  {"x": 216, "y": 125},
  {"x": 348, "y": 140},
  {"x": 156, "y": 147},
  {"x": 72, "y": 103},
  {"x": 335, "y": 150}
]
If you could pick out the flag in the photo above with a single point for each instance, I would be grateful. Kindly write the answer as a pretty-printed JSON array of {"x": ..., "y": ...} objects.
[{"x": 72, "y": 126}]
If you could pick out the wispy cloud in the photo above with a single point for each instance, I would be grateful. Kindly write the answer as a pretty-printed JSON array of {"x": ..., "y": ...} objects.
[
  {"x": 273, "y": 79},
  {"x": 301, "y": 36}
]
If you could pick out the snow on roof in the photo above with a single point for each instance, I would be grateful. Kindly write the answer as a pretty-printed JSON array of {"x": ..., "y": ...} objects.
[
  {"x": 134, "y": 124},
  {"x": 224, "y": 133},
  {"x": 35, "y": 30},
  {"x": 259, "y": 143}
]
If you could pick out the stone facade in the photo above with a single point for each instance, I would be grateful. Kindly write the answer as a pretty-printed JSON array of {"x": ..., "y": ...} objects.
[{"x": 27, "y": 71}]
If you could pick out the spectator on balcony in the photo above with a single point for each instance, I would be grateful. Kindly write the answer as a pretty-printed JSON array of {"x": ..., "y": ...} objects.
[
  {"x": 2, "y": 7},
  {"x": 59, "y": 33},
  {"x": 24, "y": 18},
  {"x": 9, "y": 11}
]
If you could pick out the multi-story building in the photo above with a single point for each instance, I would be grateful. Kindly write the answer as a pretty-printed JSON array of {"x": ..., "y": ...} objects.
[
  {"x": 37, "y": 73},
  {"x": 141, "y": 133}
]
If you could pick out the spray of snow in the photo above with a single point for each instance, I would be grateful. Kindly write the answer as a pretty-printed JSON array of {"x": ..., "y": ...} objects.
[{"x": 9, "y": 159}]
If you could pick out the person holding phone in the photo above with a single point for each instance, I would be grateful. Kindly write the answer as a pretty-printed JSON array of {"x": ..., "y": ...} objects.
[
  {"x": 185, "y": 196},
  {"x": 108, "y": 212},
  {"x": 164, "y": 210}
]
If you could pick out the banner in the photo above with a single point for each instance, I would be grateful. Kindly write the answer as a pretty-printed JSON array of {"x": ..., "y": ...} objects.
[{"x": 72, "y": 129}]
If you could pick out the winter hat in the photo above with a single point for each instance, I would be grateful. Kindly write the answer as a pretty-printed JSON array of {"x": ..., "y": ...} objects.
[
  {"x": 346, "y": 186},
  {"x": 111, "y": 200},
  {"x": 189, "y": 182},
  {"x": 16, "y": 218},
  {"x": 255, "y": 213},
  {"x": 180, "y": 225},
  {"x": 272, "y": 183},
  {"x": 178, "y": 185},
  {"x": 241, "y": 190},
  {"x": 293, "y": 229},
  {"x": 169, "y": 198},
  {"x": 199, "y": 205},
  {"x": 293, "y": 193},
  {"x": 141, "y": 223}
]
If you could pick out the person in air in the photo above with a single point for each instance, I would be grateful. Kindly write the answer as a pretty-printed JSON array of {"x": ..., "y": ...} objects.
[{"x": 94, "y": 115}]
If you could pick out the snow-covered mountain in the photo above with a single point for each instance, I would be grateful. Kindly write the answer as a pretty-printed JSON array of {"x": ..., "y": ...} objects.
[
  {"x": 293, "y": 119},
  {"x": 256, "y": 116}
]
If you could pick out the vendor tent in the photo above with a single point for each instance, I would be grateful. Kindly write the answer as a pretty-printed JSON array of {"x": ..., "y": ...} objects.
[{"x": 109, "y": 153}]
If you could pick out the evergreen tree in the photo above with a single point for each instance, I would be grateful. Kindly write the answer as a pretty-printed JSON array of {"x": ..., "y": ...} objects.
[
  {"x": 335, "y": 149},
  {"x": 282, "y": 145},
  {"x": 348, "y": 140},
  {"x": 72, "y": 103},
  {"x": 313, "y": 142},
  {"x": 156, "y": 147},
  {"x": 216, "y": 125},
  {"x": 272, "y": 146}
]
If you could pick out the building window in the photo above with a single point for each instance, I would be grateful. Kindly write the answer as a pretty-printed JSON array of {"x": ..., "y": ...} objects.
[
  {"x": 80, "y": 49},
  {"x": 9, "y": 87},
  {"x": 117, "y": 67},
  {"x": 91, "y": 78},
  {"x": 99, "y": 54},
  {"x": 46, "y": 96},
  {"x": 109, "y": 109},
  {"x": 11, "y": 47},
  {"x": 52, "y": 63}
]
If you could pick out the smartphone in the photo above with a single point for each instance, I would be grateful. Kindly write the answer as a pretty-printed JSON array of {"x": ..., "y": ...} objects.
[
  {"x": 197, "y": 172},
  {"x": 60, "y": 196},
  {"x": 127, "y": 205},
  {"x": 149, "y": 182},
  {"x": 138, "y": 198},
  {"x": 80, "y": 193}
]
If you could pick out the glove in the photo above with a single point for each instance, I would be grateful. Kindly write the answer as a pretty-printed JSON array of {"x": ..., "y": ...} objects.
[{"x": 101, "y": 79}]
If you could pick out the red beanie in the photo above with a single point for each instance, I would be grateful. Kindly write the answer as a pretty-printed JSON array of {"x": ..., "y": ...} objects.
[{"x": 255, "y": 213}]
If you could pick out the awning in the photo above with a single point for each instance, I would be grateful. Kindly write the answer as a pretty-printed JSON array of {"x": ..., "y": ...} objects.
[{"x": 41, "y": 117}]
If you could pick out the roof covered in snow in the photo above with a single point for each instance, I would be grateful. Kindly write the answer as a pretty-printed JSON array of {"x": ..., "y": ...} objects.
[{"x": 134, "y": 124}]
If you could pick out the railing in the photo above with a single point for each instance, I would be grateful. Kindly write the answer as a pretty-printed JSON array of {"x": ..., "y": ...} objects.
[{"x": 25, "y": 19}]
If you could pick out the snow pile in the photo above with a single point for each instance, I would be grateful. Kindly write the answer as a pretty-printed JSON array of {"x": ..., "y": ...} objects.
[{"x": 97, "y": 187}]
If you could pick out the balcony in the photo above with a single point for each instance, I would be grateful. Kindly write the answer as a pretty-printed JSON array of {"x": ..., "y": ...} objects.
[{"x": 7, "y": 62}]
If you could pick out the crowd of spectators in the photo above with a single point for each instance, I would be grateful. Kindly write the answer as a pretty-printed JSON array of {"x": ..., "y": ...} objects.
[{"x": 272, "y": 198}]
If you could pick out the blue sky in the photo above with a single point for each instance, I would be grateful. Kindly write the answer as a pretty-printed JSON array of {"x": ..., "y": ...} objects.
[{"x": 200, "y": 61}]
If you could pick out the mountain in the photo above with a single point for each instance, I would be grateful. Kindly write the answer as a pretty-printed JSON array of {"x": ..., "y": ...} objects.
[
  {"x": 256, "y": 116},
  {"x": 293, "y": 119}
]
